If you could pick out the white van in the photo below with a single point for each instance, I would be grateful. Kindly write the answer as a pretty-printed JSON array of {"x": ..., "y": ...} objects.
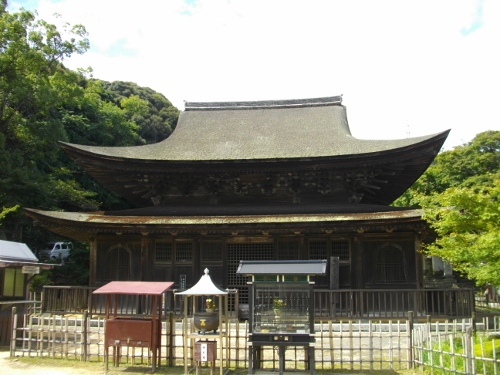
[{"x": 55, "y": 251}]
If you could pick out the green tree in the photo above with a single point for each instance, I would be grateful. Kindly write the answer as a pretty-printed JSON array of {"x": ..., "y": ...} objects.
[
  {"x": 134, "y": 106},
  {"x": 154, "y": 115},
  {"x": 42, "y": 103},
  {"x": 466, "y": 165},
  {"x": 467, "y": 223},
  {"x": 31, "y": 78},
  {"x": 460, "y": 196}
]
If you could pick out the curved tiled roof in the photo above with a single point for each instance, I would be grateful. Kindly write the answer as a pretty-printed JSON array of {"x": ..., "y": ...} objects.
[{"x": 250, "y": 131}]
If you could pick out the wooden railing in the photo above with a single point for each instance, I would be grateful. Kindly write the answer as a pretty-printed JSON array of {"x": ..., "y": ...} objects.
[
  {"x": 76, "y": 299},
  {"x": 329, "y": 304},
  {"x": 66, "y": 299},
  {"x": 393, "y": 304}
]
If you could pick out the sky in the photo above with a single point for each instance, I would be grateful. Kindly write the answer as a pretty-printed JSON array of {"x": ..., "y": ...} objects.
[{"x": 405, "y": 68}]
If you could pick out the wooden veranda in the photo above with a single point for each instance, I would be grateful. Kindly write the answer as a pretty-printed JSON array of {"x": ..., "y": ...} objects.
[{"x": 328, "y": 304}]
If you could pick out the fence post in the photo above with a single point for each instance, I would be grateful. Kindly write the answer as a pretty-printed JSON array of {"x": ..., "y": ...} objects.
[
  {"x": 43, "y": 298},
  {"x": 13, "y": 332},
  {"x": 473, "y": 321},
  {"x": 84, "y": 334},
  {"x": 90, "y": 302},
  {"x": 171, "y": 338},
  {"x": 409, "y": 327},
  {"x": 428, "y": 325},
  {"x": 469, "y": 369}
]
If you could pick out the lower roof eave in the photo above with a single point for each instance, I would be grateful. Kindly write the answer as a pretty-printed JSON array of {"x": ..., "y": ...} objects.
[{"x": 82, "y": 226}]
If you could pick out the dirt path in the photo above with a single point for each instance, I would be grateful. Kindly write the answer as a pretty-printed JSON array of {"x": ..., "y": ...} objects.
[
  {"x": 44, "y": 366},
  {"x": 13, "y": 366},
  {"x": 16, "y": 366},
  {"x": 41, "y": 366}
]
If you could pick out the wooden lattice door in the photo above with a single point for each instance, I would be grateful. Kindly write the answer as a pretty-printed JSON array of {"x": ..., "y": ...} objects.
[{"x": 245, "y": 251}]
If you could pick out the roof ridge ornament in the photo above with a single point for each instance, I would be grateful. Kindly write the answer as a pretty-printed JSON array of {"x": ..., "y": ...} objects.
[{"x": 286, "y": 103}]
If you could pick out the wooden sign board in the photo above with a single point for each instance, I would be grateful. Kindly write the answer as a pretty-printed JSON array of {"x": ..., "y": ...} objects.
[
  {"x": 205, "y": 351},
  {"x": 31, "y": 270}
]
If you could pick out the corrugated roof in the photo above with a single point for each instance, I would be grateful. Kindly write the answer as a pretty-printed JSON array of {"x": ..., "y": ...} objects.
[{"x": 16, "y": 252}]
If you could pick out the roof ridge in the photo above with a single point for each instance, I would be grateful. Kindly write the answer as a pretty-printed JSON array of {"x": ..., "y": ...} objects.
[{"x": 286, "y": 103}]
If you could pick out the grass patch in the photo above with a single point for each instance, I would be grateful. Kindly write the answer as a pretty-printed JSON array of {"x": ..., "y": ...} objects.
[{"x": 446, "y": 359}]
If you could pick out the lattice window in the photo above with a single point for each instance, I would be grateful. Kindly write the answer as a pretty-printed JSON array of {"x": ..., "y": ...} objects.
[
  {"x": 184, "y": 252},
  {"x": 341, "y": 249},
  {"x": 13, "y": 282},
  {"x": 163, "y": 252},
  {"x": 390, "y": 265},
  {"x": 318, "y": 249},
  {"x": 245, "y": 251},
  {"x": 211, "y": 251},
  {"x": 288, "y": 249}
]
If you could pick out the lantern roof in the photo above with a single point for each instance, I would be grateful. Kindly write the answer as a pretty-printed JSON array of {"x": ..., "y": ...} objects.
[{"x": 204, "y": 287}]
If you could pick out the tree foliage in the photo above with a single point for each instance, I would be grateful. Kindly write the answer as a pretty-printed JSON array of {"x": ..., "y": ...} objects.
[
  {"x": 43, "y": 103},
  {"x": 467, "y": 222},
  {"x": 32, "y": 89},
  {"x": 466, "y": 165},
  {"x": 154, "y": 115},
  {"x": 460, "y": 194}
]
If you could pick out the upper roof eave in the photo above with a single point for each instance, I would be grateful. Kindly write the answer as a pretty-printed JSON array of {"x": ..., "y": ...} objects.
[
  {"x": 255, "y": 131},
  {"x": 129, "y": 156}
]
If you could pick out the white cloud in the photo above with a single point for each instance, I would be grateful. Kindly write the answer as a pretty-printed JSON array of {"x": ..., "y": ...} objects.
[{"x": 403, "y": 66}]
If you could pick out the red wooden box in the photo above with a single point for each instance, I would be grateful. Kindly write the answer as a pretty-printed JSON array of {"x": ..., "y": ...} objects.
[{"x": 129, "y": 332}]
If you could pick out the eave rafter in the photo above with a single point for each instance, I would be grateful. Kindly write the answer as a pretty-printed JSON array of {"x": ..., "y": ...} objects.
[{"x": 147, "y": 185}]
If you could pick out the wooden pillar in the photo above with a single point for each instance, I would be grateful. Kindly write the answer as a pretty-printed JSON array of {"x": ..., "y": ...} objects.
[
  {"x": 334, "y": 273},
  {"x": 145, "y": 271},
  {"x": 357, "y": 262},
  {"x": 419, "y": 262},
  {"x": 93, "y": 261}
]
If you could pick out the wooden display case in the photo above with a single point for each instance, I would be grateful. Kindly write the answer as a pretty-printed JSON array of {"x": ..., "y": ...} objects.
[
  {"x": 281, "y": 308},
  {"x": 129, "y": 331}
]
